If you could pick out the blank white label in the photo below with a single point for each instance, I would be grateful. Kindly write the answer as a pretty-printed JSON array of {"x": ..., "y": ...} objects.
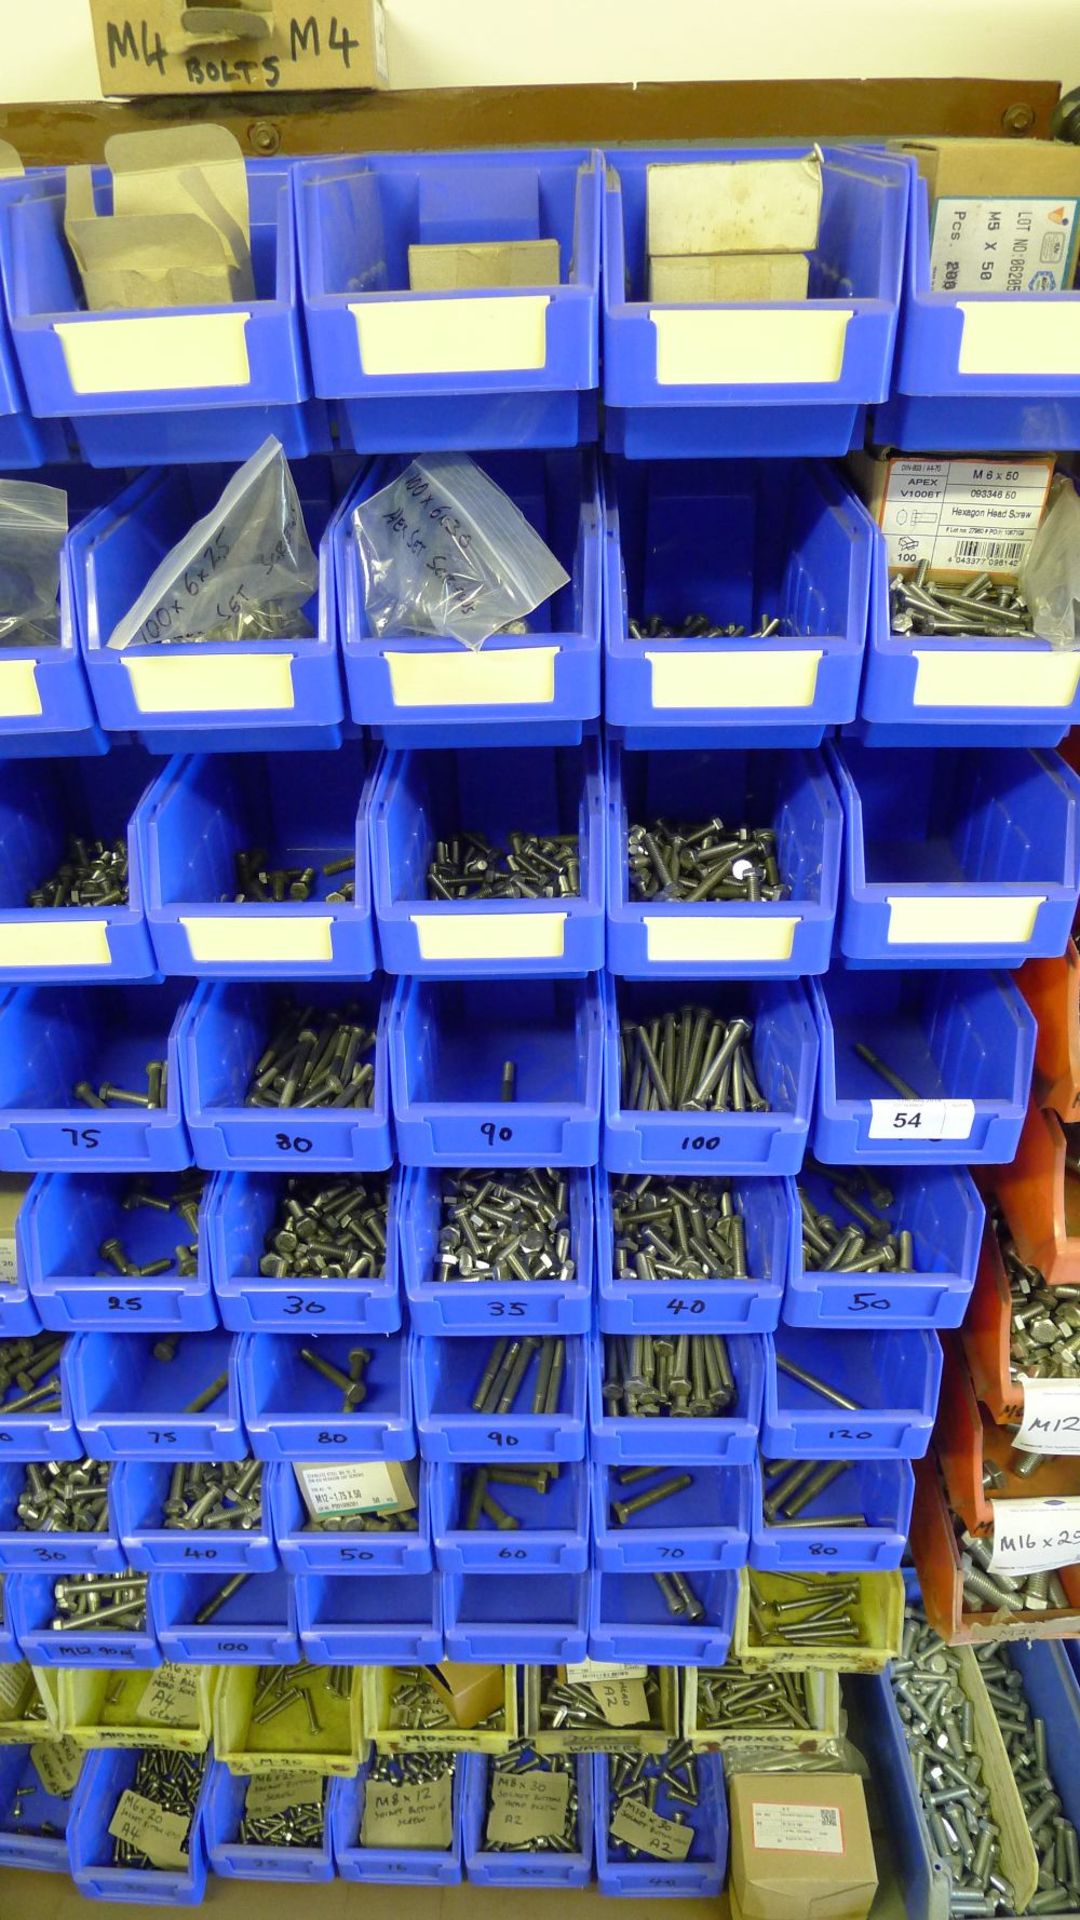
[
  {"x": 1035, "y": 1536},
  {"x": 917, "y": 1120},
  {"x": 1051, "y": 1421}
]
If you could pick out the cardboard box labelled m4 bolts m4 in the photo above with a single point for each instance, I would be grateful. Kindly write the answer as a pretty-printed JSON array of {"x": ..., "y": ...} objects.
[
  {"x": 684, "y": 278},
  {"x": 1004, "y": 214},
  {"x": 734, "y": 206},
  {"x": 464, "y": 266},
  {"x": 800, "y": 1847},
  {"x": 170, "y": 46}
]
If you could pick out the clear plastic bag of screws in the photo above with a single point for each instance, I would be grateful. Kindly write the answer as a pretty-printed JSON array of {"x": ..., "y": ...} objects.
[
  {"x": 825, "y": 1756},
  {"x": 445, "y": 551},
  {"x": 33, "y": 528},
  {"x": 245, "y": 571},
  {"x": 1050, "y": 577}
]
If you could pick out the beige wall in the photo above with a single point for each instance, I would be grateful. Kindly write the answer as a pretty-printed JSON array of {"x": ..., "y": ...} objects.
[{"x": 46, "y": 54}]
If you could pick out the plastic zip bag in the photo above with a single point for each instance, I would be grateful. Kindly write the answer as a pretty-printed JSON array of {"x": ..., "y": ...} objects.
[
  {"x": 33, "y": 528},
  {"x": 445, "y": 551},
  {"x": 243, "y": 572},
  {"x": 1050, "y": 577}
]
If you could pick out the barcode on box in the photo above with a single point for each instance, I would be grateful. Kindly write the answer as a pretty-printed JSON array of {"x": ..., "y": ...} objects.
[{"x": 990, "y": 553}]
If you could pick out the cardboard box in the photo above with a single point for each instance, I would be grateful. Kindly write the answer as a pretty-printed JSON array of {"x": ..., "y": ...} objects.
[
  {"x": 963, "y": 515},
  {"x": 170, "y": 46},
  {"x": 1004, "y": 214},
  {"x": 683, "y": 278},
  {"x": 13, "y": 1187},
  {"x": 469, "y": 1693},
  {"x": 800, "y": 1847},
  {"x": 734, "y": 206},
  {"x": 441, "y": 268}
]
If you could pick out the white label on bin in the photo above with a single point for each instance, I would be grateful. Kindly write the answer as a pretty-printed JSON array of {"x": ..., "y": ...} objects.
[
  {"x": 490, "y": 936},
  {"x": 962, "y": 920},
  {"x": 199, "y": 682},
  {"x": 731, "y": 679},
  {"x": 19, "y": 696},
  {"x": 275, "y": 937},
  {"x": 794, "y": 1829},
  {"x": 962, "y": 516},
  {"x": 749, "y": 346},
  {"x": 1020, "y": 336},
  {"x": 583, "y": 1673},
  {"x": 982, "y": 677},
  {"x": 501, "y": 677},
  {"x": 53, "y": 941},
  {"x": 469, "y": 334},
  {"x": 735, "y": 937},
  {"x": 1035, "y": 1536},
  {"x": 1051, "y": 1418},
  {"x": 167, "y": 353},
  {"x": 918, "y": 1120}
]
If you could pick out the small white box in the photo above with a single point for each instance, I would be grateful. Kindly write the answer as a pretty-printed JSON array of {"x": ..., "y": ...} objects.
[
  {"x": 683, "y": 278},
  {"x": 734, "y": 206}
]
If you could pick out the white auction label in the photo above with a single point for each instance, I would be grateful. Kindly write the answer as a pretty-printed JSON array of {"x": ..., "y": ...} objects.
[
  {"x": 357, "y": 1486},
  {"x": 797, "y": 1829},
  {"x": 921, "y": 1119},
  {"x": 585, "y": 1672},
  {"x": 1051, "y": 1420},
  {"x": 1035, "y": 1536}
]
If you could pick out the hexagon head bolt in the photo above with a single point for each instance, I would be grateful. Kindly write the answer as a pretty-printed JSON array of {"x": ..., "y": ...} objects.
[
  {"x": 884, "y": 1072},
  {"x": 469, "y": 866},
  {"x": 328, "y": 1371},
  {"x": 167, "y": 1347},
  {"x": 356, "y": 1393},
  {"x": 492, "y": 1369},
  {"x": 317, "y": 1058},
  {"x": 113, "y": 1096},
  {"x": 805, "y": 1379},
  {"x": 220, "y": 1599},
  {"x": 624, "y": 1510},
  {"x": 85, "y": 1095},
  {"x": 702, "y": 862},
  {"x": 207, "y": 1397}
]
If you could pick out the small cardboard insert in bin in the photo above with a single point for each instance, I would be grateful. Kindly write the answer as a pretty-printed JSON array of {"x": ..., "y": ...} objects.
[{"x": 800, "y": 1847}]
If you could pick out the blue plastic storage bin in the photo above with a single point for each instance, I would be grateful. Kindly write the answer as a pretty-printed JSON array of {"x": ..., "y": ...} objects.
[
  {"x": 20, "y": 1846},
  {"x": 483, "y": 1306},
  {"x": 737, "y": 542},
  {"x": 781, "y": 377},
  {"x": 959, "y": 690},
  {"x": 964, "y": 1041},
  {"x": 499, "y": 367},
  {"x": 487, "y": 1867},
  {"x": 9, "y": 1646},
  {"x": 24, "y": 441},
  {"x": 130, "y": 1405},
  {"x": 978, "y": 371},
  {"x": 704, "y": 1870},
  {"x": 446, "y": 1377},
  {"x": 982, "y": 868},
  {"x": 291, "y": 1413},
  {"x": 54, "y": 1036},
  {"x": 450, "y": 1043},
  {"x": 703, "y": 1526},
  {"x": 381, "y": 1620},
  {"x": 148, "y": 385},
  {"x": 419, "y": 689},
  {"x": 752, "y": 1305},
  {"x": 425, "y": 798},
  {"x": 881, "y": 1490},
  {"x": 32, "y": 1607},
  {"x": 787, "y": 790},
  {"x": 244, "y": 1212},
  {"x": 307, "y": 1549},
  {"x": 36, "y": 1435},
  {"x": 42, "y": 806},
  {"x": 621, "y": 1439},
  {"x": 227, "y": 695},
  {"x": 64, "y": 1223},
  {"x": 552, "y": 1530},
  {"x": 255, "y": 1626},
  {"x": 24, "y": 1550},
  {"x": 105, "y": 1776},
  {"x": 235, "y": 1858},
  {"x": 139, "y": 1490},
  {"x": 305, "y": 810},
  {"x": 630, "y": 1620},
  {"x": 784, "y": 1049},
  {"x": 535, "y": 1616},
  {"x": 45, "y": 704},
  {"x": 941, "y": 1209},
  {"x": 229, "y": 1024},
  {"x": 894, "y": 1375},
  {"x": 417, "y": 1866}
]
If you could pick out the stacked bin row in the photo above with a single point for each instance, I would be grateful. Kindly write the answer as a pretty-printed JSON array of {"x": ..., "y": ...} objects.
[{"x": 889, "y": 1046}]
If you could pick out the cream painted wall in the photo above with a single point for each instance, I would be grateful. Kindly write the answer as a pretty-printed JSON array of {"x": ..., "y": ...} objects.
[{"x": 47, "y": 53}]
